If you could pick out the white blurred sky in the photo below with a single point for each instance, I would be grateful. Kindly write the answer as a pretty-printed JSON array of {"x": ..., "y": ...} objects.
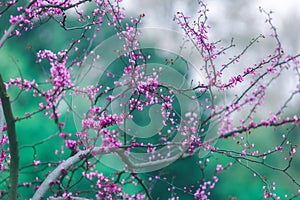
[
  {"x": 230, "y": 17},
  {"x": 240, "y": 19}
]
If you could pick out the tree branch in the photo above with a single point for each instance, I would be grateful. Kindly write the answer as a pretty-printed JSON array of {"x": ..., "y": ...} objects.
[
  {"x": 13, "y": 142},
  {"x": 44, "y": 187},
  {"x": 55, "y": 174},
  {"x": 7, "y": 34}
]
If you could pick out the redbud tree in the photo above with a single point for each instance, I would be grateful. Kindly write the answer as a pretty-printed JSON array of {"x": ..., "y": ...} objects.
[{"x": 116, "y": 114}]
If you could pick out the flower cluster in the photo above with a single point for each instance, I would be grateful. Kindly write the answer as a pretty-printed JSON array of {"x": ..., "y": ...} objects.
[
  {"x": 3, "y": 155},
  {"x": 202, "y": 192},
  {"x": 107, "y": 189}
]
